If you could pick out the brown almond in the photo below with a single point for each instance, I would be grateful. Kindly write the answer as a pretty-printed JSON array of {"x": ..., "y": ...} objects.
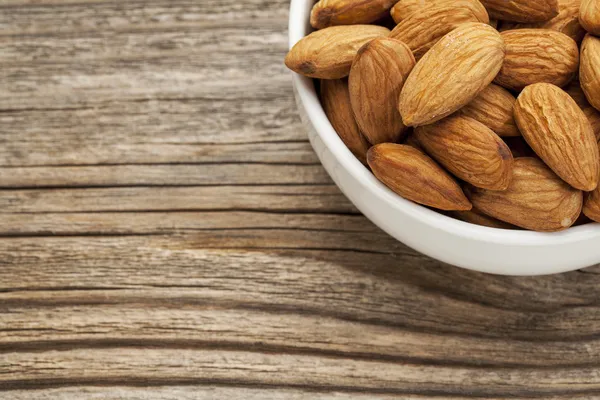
[
  {"x": 335, "y": 99},
  {"x": 589, "y": 16},
  {"x": 560, "y": 134},
  {"x": 468, "y": 149},
  {"x": 451, "y": 74},
  {"x": 494, "y": 108},
  {"x": 328, "y": 53},
  {"x": 421, "y": 30},
  {"x": 414, "y": 176},
  {"x": 567, "y": 21},
  {"x": 376, "y": 79},
  {"x": 405, "y": 8},
  {"x": 522, "y": 10},
  {"x": 589, "y": 71},
  {"x": 536, "y": 199},
  {"x": 348, "y": 12},
  {"x": 476, "y": 217},
  {"x": 537, "y": 55}
]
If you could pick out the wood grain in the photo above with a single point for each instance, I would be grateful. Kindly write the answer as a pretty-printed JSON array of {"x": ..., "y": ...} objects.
[
  {"x": 166, "y": 232},
  {"x": 208, "y": 174}
]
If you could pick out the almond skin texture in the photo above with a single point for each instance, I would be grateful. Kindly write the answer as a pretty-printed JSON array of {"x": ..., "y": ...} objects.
[
  {"x": 404, "y": 8},
  {"x": 589, "y": 71},
  {"x": 376, "y": 79},
  {"x": 560, "y": 134},
  {"x": 589, "y": 16},
  {"x": 451, "y": 74},
  {"x": 537, "y": 55},
  {"x": 328, "y": 53},
  {"x": 421, "y": 30},
  {"x": 522, "y": 10},
  {"x": 478, "y": 218},
  {"x": 470, "y": 150},
  {"x": 414, "y": 176},
  {"x": 494, "y": 107},
  {"x": 567, "y": 21},
  {"x": 335, "y": 99},
  {"x": 536, "y": 199},
  {"x": 348, "y": 12}
]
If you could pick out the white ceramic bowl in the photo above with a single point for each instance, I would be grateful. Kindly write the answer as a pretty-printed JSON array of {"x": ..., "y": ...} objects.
[{"x": 455, "y": 242}]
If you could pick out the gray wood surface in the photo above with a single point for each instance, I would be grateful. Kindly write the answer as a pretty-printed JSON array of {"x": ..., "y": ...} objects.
[{"x": 166, "y": 232}]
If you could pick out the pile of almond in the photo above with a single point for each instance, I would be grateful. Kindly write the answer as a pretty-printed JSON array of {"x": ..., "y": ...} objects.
[{"x": 486, "y": 109}]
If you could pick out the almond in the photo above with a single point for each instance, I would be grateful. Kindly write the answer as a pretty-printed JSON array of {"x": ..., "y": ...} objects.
[
  {"x": 405, "y": 8},
  {"x": 589, "y": 16},
  {"x": 476, "y": 217},
  {"x": 376, "y": 79},
  {"x": 560, "y": 134},
  {"x": 348, "y": 12},
  {"x": 536, "y": 199},
  {"x": 567, "y": 21},
  {"x": 421, "y": 30},
  {"x": 494, "y": 108},
  {"x": 589, "y": 72},
  {"x": 335, "y": 99},
  {"x": 522, "y": 10},
  {"x": 328, "y": 53},
  {"x": 537, "y": 55},
  {"x": 414, "y": 176},
  {"x": 451, "y": 74},
  {"x": 468, "y": 149}
]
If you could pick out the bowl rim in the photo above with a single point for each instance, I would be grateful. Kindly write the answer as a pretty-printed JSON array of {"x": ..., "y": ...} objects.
[{"x": 300, "y": 27}]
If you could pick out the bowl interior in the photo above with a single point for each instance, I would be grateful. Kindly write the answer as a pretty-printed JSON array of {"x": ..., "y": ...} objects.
[{"x": 298, "y": 28}]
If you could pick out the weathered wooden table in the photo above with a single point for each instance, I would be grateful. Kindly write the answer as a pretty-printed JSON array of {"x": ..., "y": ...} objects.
[{"x": 166, "y": 232}]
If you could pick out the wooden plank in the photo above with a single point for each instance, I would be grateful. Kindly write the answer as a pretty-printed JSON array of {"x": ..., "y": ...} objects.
[
  {"x": 150, "y": 366},
  {"x": 37, "y": 16},
  {"x": 43, "y": 152},
  {"x": 194, "y": 392},
  {"x": 133, "y": 325},
  {"x": 163, "y": 175},
  {"x": 294, "y": 198},
  {"x": 131, "y": 223},
  {"x": 396, "y": 289},
  {"x": 48, "y": 154}
]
